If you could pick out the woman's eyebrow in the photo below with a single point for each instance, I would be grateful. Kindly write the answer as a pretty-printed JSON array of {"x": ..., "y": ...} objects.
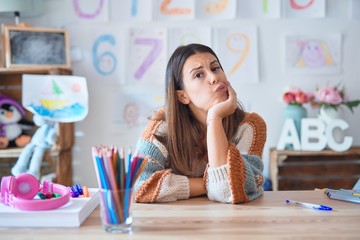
[
  {"x": 197, "y": 68},
  {"x": 215, "y": 61},
  {"x": 194, "y": 69}
]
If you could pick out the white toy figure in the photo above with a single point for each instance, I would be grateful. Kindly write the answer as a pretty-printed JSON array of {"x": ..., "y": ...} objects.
[{"x": 44, "y": 138}]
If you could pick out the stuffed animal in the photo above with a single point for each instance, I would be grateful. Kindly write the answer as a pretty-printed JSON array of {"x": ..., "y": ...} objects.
[
  {"x": 44, "y": 138},
  {"x": 11, "y": 129}
]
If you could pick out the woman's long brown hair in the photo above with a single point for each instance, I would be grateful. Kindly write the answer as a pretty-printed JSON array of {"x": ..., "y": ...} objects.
[{"x": 185, "y": 135}]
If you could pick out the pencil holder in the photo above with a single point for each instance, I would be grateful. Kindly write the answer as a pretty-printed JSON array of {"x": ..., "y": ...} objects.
[{"x": 116, "y": 213}]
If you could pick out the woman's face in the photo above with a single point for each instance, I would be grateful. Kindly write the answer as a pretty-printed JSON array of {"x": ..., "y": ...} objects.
[{"x": 205, "y": 83}]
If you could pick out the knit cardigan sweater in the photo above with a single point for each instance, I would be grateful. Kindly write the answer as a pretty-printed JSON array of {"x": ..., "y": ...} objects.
[{"x": 238, "y": 181}]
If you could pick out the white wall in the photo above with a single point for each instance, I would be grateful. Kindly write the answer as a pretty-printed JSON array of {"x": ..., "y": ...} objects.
[{"x": 263, "y": 98}]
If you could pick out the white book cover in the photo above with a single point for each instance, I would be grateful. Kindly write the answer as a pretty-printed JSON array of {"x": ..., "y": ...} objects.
[{"x": 73, "y": 214}]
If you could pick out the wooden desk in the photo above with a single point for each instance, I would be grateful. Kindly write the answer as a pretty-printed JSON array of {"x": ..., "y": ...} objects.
[
  {"x": 306, "y": 170},
  {"x": 267, "y": 217}
]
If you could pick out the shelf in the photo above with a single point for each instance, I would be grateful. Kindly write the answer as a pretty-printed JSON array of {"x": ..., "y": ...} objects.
[
  {"x": 59, "y": 158},
  {"x": 353, "y": 150},
  {"x": 10, "y": 152},
  {"x": 34, "y": 70},
  {"x": 306, "y": 170}
]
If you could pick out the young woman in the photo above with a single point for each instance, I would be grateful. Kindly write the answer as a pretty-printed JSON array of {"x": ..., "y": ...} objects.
[{"x": 201, "y": 142}]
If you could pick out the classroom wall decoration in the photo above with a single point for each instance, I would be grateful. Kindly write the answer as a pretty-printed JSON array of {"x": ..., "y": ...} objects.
[
  {"x": 147, "y": 56},
  {"x": 58, "y": 98},
  {"x": 104, "y": 61},
  {"x": 131, "y": 11},
  {"x": 219, "y": 9},
  {"x": 183, "y": 36},
  {"x": 175, "y": 9},
  {"x": 238, "y": 52},
  {"x": 259, "y": 9},
  {"x": 305, "y": 8},
  {"x": 91, "y": 10},
  {"x": 99, "y": 52},
  {"x": 313, "y": 54},
  {"x": 138, "y": 55},
  {"x": 163, "y": 10},
  {"x": 134, "y": 106}
]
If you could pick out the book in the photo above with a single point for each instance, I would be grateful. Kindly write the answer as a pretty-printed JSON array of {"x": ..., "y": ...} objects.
[
  {"x": 345, "y": 194},
  {"x": 72, "y": 214}
]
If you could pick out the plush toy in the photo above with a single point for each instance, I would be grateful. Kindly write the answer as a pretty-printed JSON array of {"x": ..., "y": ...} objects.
[
  {"x": 11, "y": 127},
  {"x": 44, "y": 138}
]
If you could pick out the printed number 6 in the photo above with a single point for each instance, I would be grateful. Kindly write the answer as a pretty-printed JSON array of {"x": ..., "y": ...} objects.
[{"x": 104, "y": 63}]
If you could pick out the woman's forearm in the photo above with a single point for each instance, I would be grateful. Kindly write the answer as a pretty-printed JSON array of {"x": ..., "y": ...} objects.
[
  {"x": 197, "y": 187},
  {"x": 217, "y": 143}
]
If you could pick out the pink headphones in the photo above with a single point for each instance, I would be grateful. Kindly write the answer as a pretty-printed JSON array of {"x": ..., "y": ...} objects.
[{"x": 18, "y": 192}]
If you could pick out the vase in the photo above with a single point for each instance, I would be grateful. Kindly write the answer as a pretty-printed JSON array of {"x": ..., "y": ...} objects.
[
  {"x": 295, "y": 112},
  {"x": 329, "y": 114}
]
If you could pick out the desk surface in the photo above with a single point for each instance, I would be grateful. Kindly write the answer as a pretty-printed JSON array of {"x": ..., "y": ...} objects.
[{"x": 267, "y": 217}]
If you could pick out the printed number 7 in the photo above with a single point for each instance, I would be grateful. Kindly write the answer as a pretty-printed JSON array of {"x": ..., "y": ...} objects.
[{"x": 150, "y": 59}]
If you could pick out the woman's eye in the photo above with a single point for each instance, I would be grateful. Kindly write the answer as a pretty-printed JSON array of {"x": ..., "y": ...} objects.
[
  {"x": 198, "y": 75},
  {"x": 216, "y": 69}
]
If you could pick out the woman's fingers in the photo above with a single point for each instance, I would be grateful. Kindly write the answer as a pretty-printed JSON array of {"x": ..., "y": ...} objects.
[
  {"x": 232, "y": 96},
  {"x": 227, "y": 107}
]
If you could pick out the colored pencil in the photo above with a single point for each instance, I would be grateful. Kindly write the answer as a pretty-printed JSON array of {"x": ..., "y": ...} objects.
[{"x": 115, "y": 173}]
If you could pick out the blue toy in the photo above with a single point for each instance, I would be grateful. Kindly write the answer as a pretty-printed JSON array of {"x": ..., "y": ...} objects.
[{"x": 44, "y": 138}]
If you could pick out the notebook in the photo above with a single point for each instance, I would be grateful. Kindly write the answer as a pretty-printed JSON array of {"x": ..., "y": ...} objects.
[
  {"x": 73, "y": 214},
  {"x": 345, "y": 194}
]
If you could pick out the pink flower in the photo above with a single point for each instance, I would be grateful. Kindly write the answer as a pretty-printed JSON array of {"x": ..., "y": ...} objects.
[
  {"x": 295, "y": 96},
  {"x": 329, "y": 95},
  {"x": 289, "y": 97},
  {"x": 333, "y": 97},
  {"x": 301, "y": 97}
]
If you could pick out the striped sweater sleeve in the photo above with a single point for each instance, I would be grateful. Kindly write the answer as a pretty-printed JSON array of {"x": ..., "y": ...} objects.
[
  {"x": 241, "y": 179},
  {"x": 157, "y": 183}
]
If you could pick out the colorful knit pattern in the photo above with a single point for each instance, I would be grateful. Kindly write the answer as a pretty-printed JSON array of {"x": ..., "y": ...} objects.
[{"x": 238, "y": 181}]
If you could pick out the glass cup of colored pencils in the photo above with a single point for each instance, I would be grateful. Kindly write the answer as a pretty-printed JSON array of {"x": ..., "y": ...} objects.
[
  {"x": 115, "y": 210},
  {"x": 116, "y": 177}
]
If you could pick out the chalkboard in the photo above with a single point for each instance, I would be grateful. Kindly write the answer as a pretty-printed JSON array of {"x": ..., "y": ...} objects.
[{"x": 36, "y": 47}]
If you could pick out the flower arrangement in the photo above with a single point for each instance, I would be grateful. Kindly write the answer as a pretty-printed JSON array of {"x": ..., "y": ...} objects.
[
  {"x": 334, "y": 97},
  {"x": 295, "y": 96}
]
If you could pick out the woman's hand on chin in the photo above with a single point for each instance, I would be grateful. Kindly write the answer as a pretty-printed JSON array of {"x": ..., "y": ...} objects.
[{"x": 225, "y": 108}]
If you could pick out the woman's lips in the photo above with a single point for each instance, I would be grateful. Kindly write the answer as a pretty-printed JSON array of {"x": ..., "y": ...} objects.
[{"x": 221, "y": 88}]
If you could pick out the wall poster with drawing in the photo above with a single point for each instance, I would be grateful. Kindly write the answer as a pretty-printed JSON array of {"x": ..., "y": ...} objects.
[{"x": 313, "y": 54}]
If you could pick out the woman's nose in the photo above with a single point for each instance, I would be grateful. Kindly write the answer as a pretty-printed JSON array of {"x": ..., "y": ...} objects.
[{"x": 212, "y": 78}]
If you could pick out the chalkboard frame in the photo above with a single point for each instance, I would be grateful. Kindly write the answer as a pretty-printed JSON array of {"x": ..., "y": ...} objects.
[{"x": 47, "y": 61}]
